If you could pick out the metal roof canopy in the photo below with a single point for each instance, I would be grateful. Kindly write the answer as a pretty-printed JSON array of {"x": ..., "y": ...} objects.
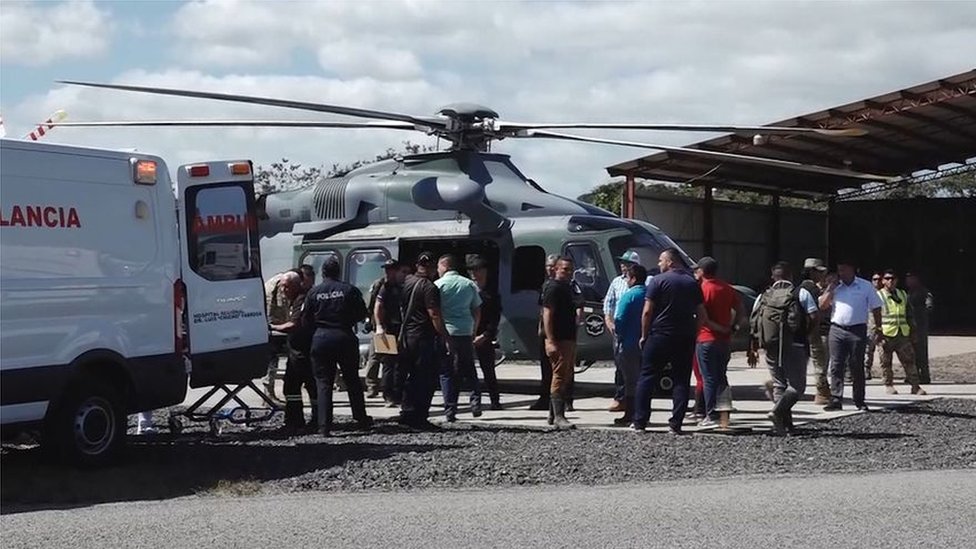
[{"x": 920, "y": 128}]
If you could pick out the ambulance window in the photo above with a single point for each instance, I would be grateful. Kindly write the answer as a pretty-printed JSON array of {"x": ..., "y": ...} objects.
[
  {"x": 222, "y": 233},
  {"x": 365, "y": 266},
  {"x": 528, "y": 268},
  {"x": 588, "y": 273}
]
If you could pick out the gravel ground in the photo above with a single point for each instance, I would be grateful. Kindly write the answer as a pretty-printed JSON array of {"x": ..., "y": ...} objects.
[
  {"x": 937, "y": 435},
  {"x": 948, "y": 369}
]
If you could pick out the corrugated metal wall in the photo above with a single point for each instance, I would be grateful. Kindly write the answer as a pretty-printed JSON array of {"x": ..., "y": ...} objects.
[
  {"x": 933, "y": 237},
  {"x": 742, "y": 234}
]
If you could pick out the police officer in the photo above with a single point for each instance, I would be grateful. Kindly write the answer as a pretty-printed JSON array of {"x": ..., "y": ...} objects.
[{"x": 334, "y": 308}]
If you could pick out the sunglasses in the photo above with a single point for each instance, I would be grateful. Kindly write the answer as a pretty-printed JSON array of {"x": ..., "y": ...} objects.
[
  {"x": 875, "y": 279},
  {"x": 889, "y": 278}
]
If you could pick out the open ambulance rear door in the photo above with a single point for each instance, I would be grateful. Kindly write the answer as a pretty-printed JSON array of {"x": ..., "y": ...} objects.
[{"x": 224, "y": 318}]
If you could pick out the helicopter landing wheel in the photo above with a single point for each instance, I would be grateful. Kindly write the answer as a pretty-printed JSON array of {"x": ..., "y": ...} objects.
[{"x": 583, "y": 365}]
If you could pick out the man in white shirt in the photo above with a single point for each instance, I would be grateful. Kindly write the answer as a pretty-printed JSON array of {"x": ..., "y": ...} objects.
[{"x": 851, "y": 300}]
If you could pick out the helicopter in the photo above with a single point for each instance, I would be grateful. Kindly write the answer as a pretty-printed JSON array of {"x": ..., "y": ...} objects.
[{"x": 465, "y": 200}]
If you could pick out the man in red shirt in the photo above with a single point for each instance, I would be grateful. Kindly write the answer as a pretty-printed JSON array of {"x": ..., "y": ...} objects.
[{"x": 723, "y": 310}]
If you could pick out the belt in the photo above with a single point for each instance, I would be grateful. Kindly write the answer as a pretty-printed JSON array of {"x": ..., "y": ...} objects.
[{"x": 848, "y": 328}]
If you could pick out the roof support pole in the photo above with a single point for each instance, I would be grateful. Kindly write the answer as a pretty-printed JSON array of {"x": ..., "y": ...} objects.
[
  {"x": 708, "y": 223},
  {"x": 829, "y": 255},
  {"x": 774, "y": 233},
  {"x": 629, "y": 196}
]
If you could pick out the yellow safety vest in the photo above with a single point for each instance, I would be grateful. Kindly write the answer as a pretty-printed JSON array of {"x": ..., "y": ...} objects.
[{"x": 894, "y": 315}]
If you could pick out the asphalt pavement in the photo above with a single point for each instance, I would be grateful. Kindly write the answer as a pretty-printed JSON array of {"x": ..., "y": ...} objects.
[{"x": 903, "y": 509}]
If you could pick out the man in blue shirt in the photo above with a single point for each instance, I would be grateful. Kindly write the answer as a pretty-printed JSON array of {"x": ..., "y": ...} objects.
[
  {"x": 673, "y": 311},
  {"x": 618, "y": 286},
  {"x": 627, "y": 322}
]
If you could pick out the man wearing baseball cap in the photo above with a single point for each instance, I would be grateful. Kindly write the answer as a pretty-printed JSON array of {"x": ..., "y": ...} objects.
[
  {"x": 617, "y": 289},
  {"x": 814, "y": 275},
  {"x": 421, "y": 341}
]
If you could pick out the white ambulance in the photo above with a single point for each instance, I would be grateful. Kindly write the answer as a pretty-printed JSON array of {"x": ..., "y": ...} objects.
[{"x": 113, "y": 292}]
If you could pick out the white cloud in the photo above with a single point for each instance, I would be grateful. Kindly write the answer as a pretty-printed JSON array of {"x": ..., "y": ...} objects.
[
  {"x": 701, "y": 62},
  {"x": 40, "y": 33}
]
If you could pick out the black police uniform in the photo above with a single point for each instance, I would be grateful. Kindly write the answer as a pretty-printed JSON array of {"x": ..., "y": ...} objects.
[{"x": 334, "y": 308}]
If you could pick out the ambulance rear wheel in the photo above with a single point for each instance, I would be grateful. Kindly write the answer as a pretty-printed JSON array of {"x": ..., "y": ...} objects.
[{"x": 88, "y": 428}]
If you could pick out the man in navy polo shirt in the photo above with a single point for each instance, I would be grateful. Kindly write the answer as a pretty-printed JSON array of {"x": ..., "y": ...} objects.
[{"x": 673, "y": 312}]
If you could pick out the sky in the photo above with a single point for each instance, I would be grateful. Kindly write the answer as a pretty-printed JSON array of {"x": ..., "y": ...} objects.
[{"x": 688, "y": 62}]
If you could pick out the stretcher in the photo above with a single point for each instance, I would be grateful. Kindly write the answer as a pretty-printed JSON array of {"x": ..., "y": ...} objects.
[{"x": 230, "y": 407}]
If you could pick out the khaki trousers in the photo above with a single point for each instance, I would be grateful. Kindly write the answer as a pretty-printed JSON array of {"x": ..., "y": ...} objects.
[
  {"x": 563, "y": 366},
  {"x": 901, "y": 346}
]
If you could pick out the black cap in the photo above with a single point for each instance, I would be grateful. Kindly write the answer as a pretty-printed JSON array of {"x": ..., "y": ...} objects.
[
  {"x": 849, "y": 261},
  {"x": 391, "y": 264},
  {"x": 708, "y": 265},
  {"x": 425, "y": 258}
]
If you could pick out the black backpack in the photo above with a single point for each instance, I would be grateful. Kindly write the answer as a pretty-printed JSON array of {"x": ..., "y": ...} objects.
[{"x": 779, "y": 317}]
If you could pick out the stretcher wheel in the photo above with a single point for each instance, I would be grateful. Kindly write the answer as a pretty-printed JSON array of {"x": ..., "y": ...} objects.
[
  {"x": 215, "y": 427},
  {"x": 175, "y": 425}
]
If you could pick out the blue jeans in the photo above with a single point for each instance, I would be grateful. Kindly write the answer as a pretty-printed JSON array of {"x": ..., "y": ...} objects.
[
  {"x": 618, "y": 375},
  {"x": 660, "y": 350},
  {"x": 713, "y": 360},
  {"x": 457, "y": 369}
]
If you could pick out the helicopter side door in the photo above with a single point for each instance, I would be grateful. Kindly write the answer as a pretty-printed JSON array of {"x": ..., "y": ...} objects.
[{"x": 593, "y": 340}]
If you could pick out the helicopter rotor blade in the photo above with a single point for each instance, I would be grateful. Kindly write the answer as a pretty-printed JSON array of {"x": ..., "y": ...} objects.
[
  {"x": 271, "y": 102},
  {"x": 240, "y": 123},
  {"x": 771, "y": 130},
  {"x": 718, "y": 156}
]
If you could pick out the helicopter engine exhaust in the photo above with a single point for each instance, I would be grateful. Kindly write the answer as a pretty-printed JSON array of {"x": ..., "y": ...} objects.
[{"x": 461, "y": 194}]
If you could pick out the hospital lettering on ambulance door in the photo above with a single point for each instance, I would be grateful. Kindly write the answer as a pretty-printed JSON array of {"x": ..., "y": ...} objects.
[{"x": 54, "y": 217}]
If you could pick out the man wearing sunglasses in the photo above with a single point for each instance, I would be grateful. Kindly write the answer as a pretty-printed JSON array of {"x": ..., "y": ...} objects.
[
  {"x": 897, "y": 332},
  {"x": 876, "y": 281}
]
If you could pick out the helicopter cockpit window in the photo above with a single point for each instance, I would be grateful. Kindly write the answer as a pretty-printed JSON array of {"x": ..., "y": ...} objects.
[
  {"x": 365, "y": 266},
  {"x": 647, "y": 245},
  {"x": 222, "y": 235},
  {"x": 528, "y": 268},
  {"x": 588, "y": 274}
]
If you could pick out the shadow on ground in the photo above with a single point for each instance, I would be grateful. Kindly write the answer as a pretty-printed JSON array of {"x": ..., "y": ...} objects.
[{"x": 167, "y": 466}]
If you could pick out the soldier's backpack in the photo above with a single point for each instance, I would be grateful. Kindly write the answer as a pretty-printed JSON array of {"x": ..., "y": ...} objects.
[{"x": 779, "y": 315}]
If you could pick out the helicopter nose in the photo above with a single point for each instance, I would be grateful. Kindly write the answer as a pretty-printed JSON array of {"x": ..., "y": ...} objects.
[{"x": 447, "y": 193}]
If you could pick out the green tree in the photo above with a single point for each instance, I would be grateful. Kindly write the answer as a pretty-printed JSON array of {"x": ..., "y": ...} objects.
[{"x": 286, "y": 175}]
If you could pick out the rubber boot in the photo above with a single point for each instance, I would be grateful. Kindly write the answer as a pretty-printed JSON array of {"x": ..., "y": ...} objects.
[
  {"x": 552, "y": 413},
  {"x": 559, "y": 413}
]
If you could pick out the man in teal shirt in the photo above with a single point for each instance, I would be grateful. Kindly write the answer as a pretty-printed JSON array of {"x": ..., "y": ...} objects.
[
  {"x": 461, "y": 308},
  {"x": 627, "y": 320}
]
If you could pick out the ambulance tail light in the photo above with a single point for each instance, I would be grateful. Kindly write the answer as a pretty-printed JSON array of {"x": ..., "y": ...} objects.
[
  {"x": 144, "y": 172},
  {"x": 240, "y": 168},
  {"x": 181, "y": 342},
  {"x": 199, "y": 171}
]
